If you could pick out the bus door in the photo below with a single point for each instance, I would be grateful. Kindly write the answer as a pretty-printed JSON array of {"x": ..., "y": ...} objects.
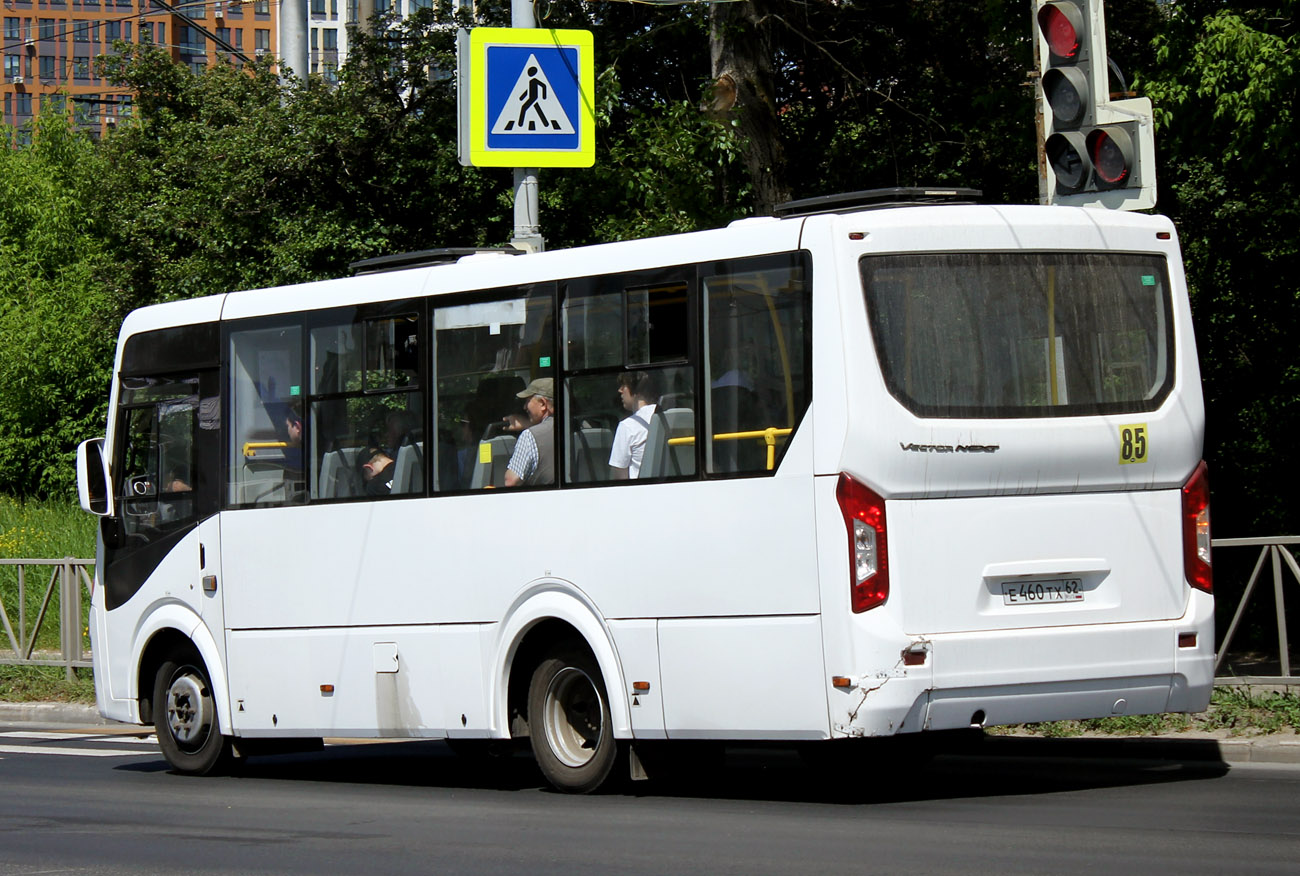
[{"x": 162, "y": 543}]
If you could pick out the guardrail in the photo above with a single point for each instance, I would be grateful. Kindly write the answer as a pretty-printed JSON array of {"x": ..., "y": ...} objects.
[
  {"x": 70, "y": 574},
  {"x": 66, "y": 577},
  {"x": 1273, "y": 550}
]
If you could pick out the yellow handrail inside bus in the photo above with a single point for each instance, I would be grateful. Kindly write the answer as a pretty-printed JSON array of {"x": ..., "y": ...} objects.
[
  {"x": 769, "y": 436},
  {"x": 251, "y": 447}
]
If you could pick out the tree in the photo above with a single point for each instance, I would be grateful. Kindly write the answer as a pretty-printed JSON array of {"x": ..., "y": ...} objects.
[
  {"x": 1225, "y": 86},
  {"x": 57, "y": 322}
]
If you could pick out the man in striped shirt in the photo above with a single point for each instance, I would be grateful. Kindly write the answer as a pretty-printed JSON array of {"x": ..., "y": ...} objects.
[{"x": 533, "y": 462}]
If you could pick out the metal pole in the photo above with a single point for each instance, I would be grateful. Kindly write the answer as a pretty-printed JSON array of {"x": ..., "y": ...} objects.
[
  {"x": 528, "y": 233},
  {"x": 293, "y": 38},
  {"x": 1282, "y": 647}
]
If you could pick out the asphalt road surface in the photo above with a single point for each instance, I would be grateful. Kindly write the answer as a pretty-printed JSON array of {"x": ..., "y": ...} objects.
[{"x": 87, "y": 803}]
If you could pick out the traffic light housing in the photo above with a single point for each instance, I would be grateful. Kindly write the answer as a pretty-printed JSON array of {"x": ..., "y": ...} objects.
[{"x": 1094, "y": 152}]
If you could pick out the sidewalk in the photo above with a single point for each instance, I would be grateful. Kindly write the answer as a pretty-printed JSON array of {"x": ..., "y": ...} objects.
[{"x": 1192, "y": 746}]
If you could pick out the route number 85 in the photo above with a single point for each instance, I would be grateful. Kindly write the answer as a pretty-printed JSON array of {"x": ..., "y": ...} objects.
[{"x": 1132, "y": 443}]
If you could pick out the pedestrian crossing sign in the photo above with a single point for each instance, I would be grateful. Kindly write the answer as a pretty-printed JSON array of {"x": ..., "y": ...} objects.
[{"x": 526, "y": 97}]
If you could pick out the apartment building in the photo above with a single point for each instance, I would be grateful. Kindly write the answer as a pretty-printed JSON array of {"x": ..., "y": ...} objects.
[{"x": 50, "y": 48}]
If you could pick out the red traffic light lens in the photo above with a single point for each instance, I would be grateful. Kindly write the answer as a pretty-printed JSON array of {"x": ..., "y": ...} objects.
[
  {"x": 1111, "y": 151},
  {"x": 1062, "y": 27}
]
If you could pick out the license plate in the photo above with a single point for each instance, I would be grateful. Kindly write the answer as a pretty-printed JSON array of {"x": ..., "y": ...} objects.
[{"x": 1032, "y": 592}]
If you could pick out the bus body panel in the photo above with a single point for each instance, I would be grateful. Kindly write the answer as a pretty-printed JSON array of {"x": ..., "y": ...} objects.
[
  {"x": 742, "y": 678},
  {"x": 425, "y": 560},
  {"x": 993, "y": 563},
  {"x": 490, "y": 271},
  {"x": 369, "y": 681},
  {"x": 637, "y": 643}
]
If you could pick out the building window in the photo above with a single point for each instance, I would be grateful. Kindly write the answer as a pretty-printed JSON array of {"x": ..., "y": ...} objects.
[
  {"x": 113, "y": 30},
  {"x": 317, "y": 7},
  {"x": 223, "y": 35},
  {"x": 330, "y": 40},
  {"x": 46, "y": 30},
  {"x": 11, "y": 29},
  {"x": 80, "y": 68},
  {"x": 47, "y": 67},
  {"x": 23, "y": 104},
  {"x": 315, "y": 38},
  {"x": 262, "y": 40},
  {"x": 239, "y": 38},
  {"x": 13, "y": 66},
  {"x": 262, "y": 7},
  {"x": 81, "y": 31}
]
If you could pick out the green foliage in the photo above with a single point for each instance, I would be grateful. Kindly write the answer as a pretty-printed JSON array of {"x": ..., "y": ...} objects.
[
  {"x": 34, "y": 684},
  {"x": 1232, "y": 709},
  {"x": 51, "y": 530},
  {"x": 1224, "y": 84},
  {"x": 57, "y": 321}
]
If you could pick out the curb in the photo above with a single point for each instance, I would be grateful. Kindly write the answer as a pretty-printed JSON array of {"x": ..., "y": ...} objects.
[
  {"x": 58, "y": 714},
  {"x": 1276, "y": 749},
  {"x": 1190, "y": 748}
]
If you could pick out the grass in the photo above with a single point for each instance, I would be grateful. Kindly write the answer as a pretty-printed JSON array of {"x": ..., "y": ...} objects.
[
  {"x": 38, "y": 530},
  {"x": 1232, "y": 709},
  {"x": 45, "y": 530},
  {"x": 37, "y": 684}
]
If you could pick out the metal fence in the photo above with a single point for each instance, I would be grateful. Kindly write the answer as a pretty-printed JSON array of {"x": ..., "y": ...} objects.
[
  {"x": 63, "y": 582},
  {"x": 1276, "y": 553},
  {"x": 71, "y": 577}
]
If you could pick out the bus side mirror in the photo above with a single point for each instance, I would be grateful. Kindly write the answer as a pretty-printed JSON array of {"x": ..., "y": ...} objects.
[{"x": 93, "y": 488}]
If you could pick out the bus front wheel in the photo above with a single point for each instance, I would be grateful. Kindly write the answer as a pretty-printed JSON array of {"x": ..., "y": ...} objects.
[
  {"x": 185, "y": 717},
  {"x": 569, "y": 723}
]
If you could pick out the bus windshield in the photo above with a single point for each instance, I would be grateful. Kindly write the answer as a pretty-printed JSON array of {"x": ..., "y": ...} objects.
[{"x": 1021, "y": 334}]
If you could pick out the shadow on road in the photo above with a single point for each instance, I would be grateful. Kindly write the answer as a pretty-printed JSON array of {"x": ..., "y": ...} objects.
[{"x": 858, "y": 772}]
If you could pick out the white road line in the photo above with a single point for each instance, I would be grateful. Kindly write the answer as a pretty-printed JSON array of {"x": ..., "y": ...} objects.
[
  {"x": 72, "y": 752},
  {"x": 151, "y": 739}
]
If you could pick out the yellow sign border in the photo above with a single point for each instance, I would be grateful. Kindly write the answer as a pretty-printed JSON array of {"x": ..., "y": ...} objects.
[{"x": 479, "y": 153}]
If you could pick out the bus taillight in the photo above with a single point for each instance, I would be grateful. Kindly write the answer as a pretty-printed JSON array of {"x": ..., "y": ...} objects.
[
  {"x": 864, "y": 518},
  {"x": 1196, "y": 530}
]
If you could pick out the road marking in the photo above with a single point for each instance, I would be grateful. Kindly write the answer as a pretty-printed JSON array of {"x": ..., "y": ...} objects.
[
  {"x": 75, "y": 752},
  {"x": 149, "y": 739}
]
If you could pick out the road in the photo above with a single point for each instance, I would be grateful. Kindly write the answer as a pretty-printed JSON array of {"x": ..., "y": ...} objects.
[{"x": 82, "y": 803}]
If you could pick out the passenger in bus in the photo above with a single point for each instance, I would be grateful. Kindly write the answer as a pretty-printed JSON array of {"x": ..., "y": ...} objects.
[
  {"x": 377, "y": 470},
  {"x": 533, "y": 462},
  {"x": 397, "y": 431},
  {"x": 639, "y": 393},
  {"x": 293, "y": 437}
]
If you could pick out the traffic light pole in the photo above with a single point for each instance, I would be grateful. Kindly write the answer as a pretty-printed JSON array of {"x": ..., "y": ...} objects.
[
  {"x": 1039, "y": 126},
  {"x": 528, "y": 233}
]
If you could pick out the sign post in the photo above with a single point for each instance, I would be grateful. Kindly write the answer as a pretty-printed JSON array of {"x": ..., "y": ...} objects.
[{"x": 525, "y": 101}]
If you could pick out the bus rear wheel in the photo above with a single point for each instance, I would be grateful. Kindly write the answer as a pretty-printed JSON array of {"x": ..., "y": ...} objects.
[
  {"x": 185, "y": 717},
  {"x": 569, "y": 723}
]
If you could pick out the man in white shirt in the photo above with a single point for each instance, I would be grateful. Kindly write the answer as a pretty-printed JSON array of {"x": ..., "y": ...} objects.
[{"x": 639, "y": 394}]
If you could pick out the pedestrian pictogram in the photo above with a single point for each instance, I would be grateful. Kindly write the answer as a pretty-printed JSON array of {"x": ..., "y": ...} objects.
[
  {"x": 533, "y": 106},
  {"x": 526, "y": 98}
]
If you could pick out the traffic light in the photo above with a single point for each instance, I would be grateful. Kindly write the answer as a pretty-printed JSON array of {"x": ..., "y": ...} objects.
[{"x": 1094, "y": 151}]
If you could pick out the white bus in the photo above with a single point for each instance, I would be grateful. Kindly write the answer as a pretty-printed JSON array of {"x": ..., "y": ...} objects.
[{"x": 911, "y": 467}]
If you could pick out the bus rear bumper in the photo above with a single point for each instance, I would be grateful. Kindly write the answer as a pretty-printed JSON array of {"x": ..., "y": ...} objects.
[{"x": 1046, "y": 674}]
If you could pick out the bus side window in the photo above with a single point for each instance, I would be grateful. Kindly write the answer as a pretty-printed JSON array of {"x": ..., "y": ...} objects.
[
  {"x": 158, "y": 468},
  {"x": 367, "y": 421},
  {"x": 485, "y": 354},
  {"x": 757, "y": 321},
  {"x": 628, "y": 389},
  {"x": 268, "y": 429}
]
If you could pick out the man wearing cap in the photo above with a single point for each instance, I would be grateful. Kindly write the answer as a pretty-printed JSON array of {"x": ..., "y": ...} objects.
[{"x": 533, "y": 462}]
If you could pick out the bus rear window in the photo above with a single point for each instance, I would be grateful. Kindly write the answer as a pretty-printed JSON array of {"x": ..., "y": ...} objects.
[{"x": 1021, "y": 334}]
